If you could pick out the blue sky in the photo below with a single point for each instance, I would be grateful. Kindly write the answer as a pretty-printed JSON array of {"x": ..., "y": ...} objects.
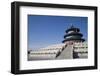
[{"x": 47, "y": 30}]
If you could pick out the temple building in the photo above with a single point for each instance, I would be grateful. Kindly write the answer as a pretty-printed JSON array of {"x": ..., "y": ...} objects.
[
  {"x": 73, "y": 35},
  {"x": 73, "y": 46}
]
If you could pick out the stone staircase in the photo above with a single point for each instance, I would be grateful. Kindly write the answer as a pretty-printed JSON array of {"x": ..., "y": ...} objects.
[{"x": 66, "y": 53}]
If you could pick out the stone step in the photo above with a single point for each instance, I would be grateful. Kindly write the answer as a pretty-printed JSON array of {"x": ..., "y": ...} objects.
[{"x": 67, "y": 53}]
